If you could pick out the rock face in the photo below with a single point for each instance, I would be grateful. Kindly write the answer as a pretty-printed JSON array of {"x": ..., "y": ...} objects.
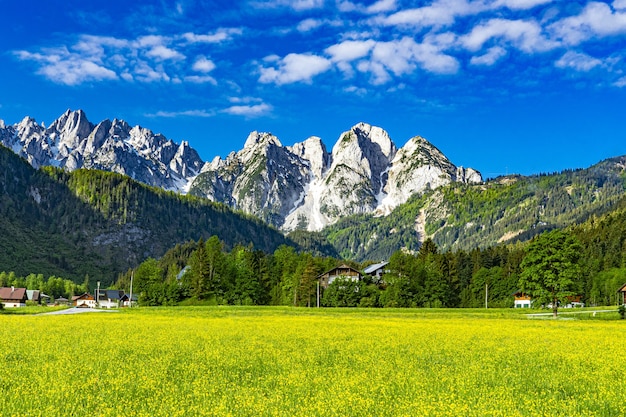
[
  {"x": 305, "y": 187},
  {"x": 72, "y": 142},
  {"x": 291, "y": 187}
]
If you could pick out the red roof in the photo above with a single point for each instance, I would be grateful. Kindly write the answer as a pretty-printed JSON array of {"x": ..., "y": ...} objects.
[{"x": 12, "y": 294}]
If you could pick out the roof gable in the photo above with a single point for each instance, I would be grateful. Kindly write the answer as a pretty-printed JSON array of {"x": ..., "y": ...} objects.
[{"x": 12, "y": 293}]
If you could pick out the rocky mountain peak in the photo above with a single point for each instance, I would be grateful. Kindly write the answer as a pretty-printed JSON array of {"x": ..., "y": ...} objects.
[
  {"x": 261, "y": 138},
  {"x": 72, "y": 142},
  {"x": 314, "y": 151}
]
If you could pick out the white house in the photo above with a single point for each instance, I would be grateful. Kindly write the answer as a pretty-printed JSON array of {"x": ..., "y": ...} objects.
[{"x": 522, "y": 300}]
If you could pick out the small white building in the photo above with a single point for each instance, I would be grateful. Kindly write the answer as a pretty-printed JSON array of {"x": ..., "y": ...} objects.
[{"x": 521, "y": 300}]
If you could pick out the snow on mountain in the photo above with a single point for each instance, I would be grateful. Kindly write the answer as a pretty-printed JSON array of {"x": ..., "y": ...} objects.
[
  {"x": 72, "y": 142},
  {"x": 302, "y": 186}
]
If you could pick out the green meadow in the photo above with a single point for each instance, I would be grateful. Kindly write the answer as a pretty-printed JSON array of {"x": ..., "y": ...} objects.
[{"x": 255, "y": 361}]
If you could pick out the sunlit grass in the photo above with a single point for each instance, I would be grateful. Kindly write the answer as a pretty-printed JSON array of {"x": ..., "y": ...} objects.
[{"x": 282, "y": 361}]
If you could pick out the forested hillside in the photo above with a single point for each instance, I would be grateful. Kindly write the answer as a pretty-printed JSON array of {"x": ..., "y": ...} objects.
[
  {"x": 427, "y": 278},
  {"x": 506, "y": 209},
  {"x": 96, "y": 223}
]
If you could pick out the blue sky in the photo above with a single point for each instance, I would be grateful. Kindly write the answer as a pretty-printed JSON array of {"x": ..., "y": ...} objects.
[{"x": 503, "y": 86}]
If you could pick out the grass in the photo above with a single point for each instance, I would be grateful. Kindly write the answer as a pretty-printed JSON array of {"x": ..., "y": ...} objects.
[{"x": 278, "y": 361}]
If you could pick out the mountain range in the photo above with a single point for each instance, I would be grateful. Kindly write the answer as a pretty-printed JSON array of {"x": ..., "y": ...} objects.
[
  {"x": 299, "y": 187},
  {"x": 363, "y": 200}
]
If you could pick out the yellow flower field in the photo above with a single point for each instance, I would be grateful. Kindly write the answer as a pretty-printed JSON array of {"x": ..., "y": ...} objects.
[{"x": 299, "y": 362}]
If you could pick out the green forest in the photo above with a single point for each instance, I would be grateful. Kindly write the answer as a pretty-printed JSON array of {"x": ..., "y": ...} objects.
[
  {"x": 97, "y": 224},
  {"x": 205, "y": 272},
  {"x": 88, "y": 226}
]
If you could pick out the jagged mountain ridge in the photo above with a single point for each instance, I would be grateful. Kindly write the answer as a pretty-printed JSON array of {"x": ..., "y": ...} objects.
[
  {"x": 306, "y": 187},
  {"x": 72, "y": 142},
  {"x": 299, "y": 187}
]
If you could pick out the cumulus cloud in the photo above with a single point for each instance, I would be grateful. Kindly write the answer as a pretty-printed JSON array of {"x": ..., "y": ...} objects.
[
  {"x": 220, "y": 35},
  {"x": 438, "y": 13},
  {"x": 595, "y": 20},
  {"x": 525, "y": 35},
  {"x": 519, "y": 4},
  {"x": 203, "y": 64},
  {"x": 578, "y": 61},
  {"x": 492, "y": 55},
  {"x": 64, "y": 67},
  {"x": 146, "y": 59},
  {"x": 294, "y": 68},
  {"x": 380, "y": 6},
  {"x": 350, "y": 50},
  {"x": 250, "y": 111}
]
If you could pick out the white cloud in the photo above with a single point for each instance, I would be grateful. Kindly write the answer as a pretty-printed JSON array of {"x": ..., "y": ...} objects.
[
  {"x": 145, "y": 73},
  {"x": 520, "y": 4},
  {"x": 255, "y": 110},
  {"x": 186, "y": 113},
  {"x": 492, "y": 55},
  {"x": 350, "y": 50},
  {"x": 620, "y": 83},
  {"x": 359, "y": 91},
  {"x": 619, "y": 4},
  {"x": 308, "y": 25},
  {"x": 297, "y": 5},
  {"x": 578, "y": 61},
  {"x": 220, "y": 35},
  {"x": 295, "y": 68},
  {"x": 203, "y": 64},
  {"x": 439, "y": 13},
  {"x": 63, "y": 67},
  {"x": 596, "y": 19},
  {"x": 163, "y": 53},
  {"x": 382, "y": 6},
  {"x": 525, "y": 35},
  {"x": 404, "y": 56},
  {"x": 200, "y": 79}
]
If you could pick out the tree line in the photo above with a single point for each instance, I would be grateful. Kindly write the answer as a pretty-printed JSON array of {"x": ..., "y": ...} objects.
[{"x": 204, "y": 272}]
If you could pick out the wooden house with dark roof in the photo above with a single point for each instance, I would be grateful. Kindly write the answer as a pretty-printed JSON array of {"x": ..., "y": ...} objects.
[
  {"x": 84, "y": 300},
  {"x": 13, "y": 297},
  {"x": 343, "y": 271}
]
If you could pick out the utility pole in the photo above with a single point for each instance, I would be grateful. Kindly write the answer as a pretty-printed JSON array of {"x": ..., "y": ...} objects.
[
  {"x": 318, "y": 294},
  {"x": 486, "y": 295},
  {"x": 130, "y": 298},
  {"x": 98, "y": 295}
]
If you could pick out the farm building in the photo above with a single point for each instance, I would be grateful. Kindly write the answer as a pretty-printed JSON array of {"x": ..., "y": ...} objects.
[
  {"x": 343, "y": 271},
  {"x": 13, "y": 297},
  {"x": 376, "y": 271},
  {"x": 84, "y": 300},
  {"x": 37, "y": 296},
  {"x": 521, "y": 300},
  {"x": 110, "y": 298}
]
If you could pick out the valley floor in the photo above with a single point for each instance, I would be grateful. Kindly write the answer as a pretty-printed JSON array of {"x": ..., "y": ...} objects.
[{"x": 307, "y": 362}]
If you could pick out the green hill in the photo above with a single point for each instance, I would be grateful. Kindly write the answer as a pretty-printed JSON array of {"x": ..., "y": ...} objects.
[
  {"x": 98, "y": 223},
  {"x": 501, "y": 210}
]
